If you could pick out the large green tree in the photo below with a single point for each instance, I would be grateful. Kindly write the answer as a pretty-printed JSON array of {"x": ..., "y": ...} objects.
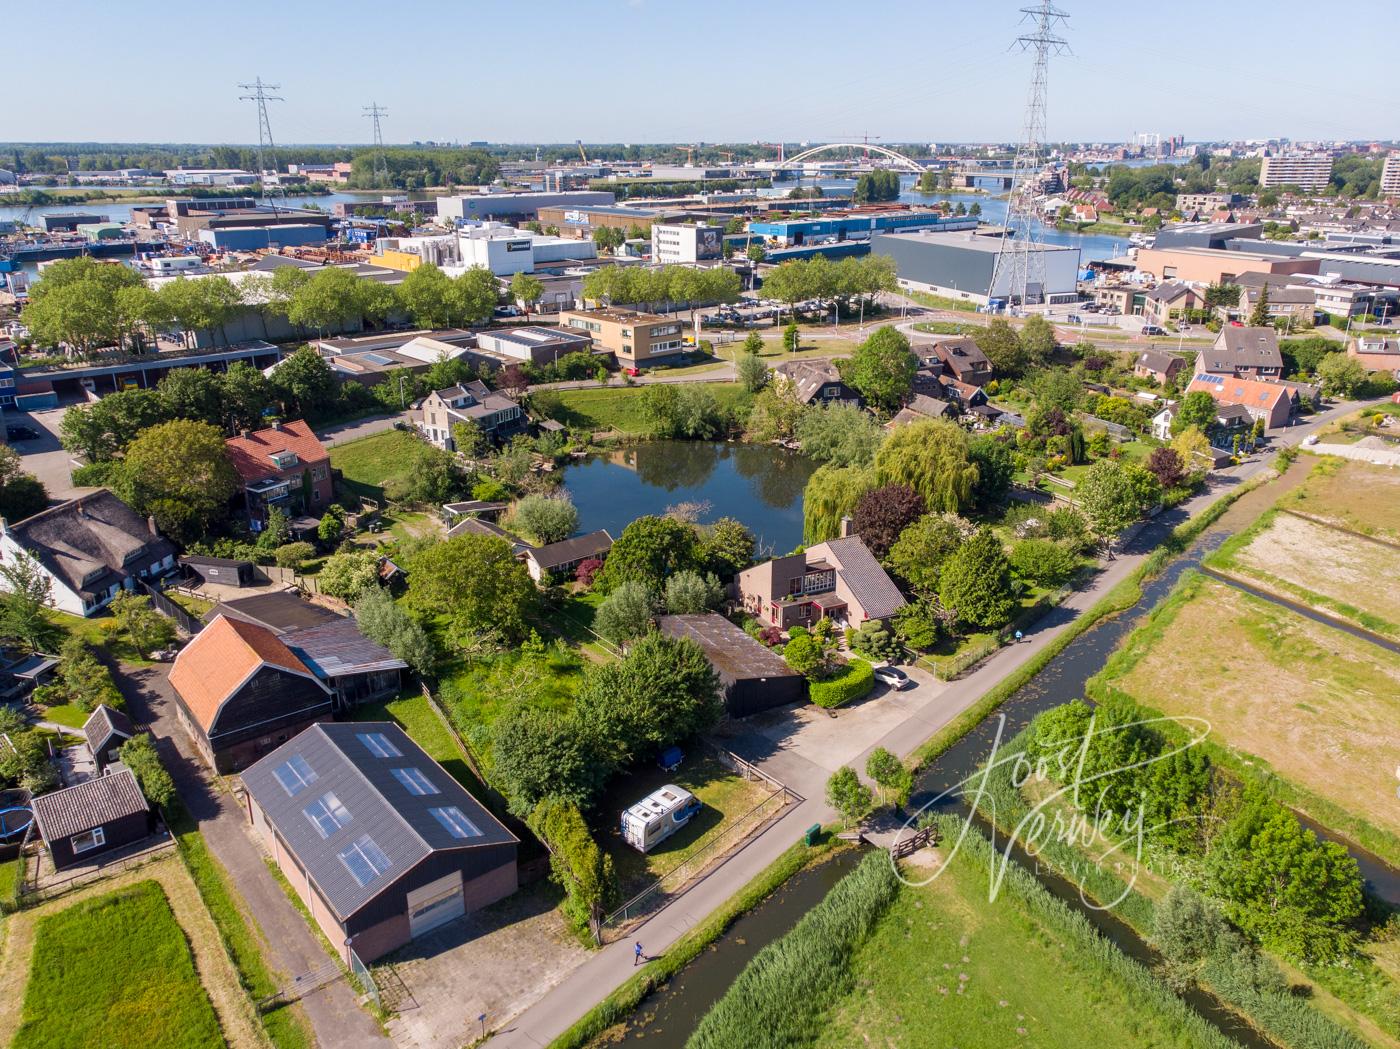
[
  {"x": 839, "y": 433},
  {"x": 305, "y": 384},
  {"x": 1197, "y": 410},
  {"x": 426, "y": 295},
  {"x": 21, "y": 494},
  {"x": 832, "y": 493},
  {"x": 1113, "y": 496},
  {"x": 75, "y": 302},
  {"x": 882, "y": 368},
  {"x": 180, "y": 473},
  {"x": 476, "y": 585},
  {"x": 648, "y": 550},
  {"x": 999, "y": 341},
  {"x": 975, "y": 583},
  {"x": 932, "y": 457},
  {"x": 919, "y": 554}
]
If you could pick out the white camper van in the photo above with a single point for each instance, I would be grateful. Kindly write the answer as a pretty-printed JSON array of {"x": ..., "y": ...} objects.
[{"x": 657, "y": 816}]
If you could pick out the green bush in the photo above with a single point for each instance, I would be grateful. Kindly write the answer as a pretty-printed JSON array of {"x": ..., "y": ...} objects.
[
  {"x": 774, "y": 1001},
  {"x": 853, "y": 681}
]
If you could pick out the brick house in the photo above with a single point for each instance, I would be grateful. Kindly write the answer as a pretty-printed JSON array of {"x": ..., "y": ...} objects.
[
  {"x": 283, "y": 466},
  {"x": 495, "y": 414},
  {"x": 839, "y": 578}
]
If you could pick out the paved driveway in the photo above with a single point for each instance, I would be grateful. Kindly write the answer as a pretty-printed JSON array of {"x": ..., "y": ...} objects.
[
  {"x": 290, "y": 946},
  {"x": 45, "y": 457}
]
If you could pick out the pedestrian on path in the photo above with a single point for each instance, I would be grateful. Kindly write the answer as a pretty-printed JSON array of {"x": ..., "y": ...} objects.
[
  {"x": 1019, "y": 635},
  {"x": 637, "y": 956}
]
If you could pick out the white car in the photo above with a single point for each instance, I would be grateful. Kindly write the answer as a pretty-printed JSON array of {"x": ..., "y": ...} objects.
[{"x": 895, "y": 678}]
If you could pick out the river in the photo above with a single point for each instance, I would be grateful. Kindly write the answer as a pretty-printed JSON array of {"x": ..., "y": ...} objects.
[
  {"x": 760, "y": 484},
  {"x": 667, "y": 1017}
]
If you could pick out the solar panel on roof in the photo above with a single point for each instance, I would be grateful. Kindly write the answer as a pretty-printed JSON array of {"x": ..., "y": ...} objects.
[{"x": 376, "y": 358}]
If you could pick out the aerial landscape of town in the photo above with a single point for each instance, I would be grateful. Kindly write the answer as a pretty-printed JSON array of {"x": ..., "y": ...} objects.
[{"x": 516, "y": 532}]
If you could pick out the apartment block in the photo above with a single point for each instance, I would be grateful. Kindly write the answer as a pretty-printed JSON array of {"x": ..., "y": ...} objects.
[
  {"x": 1307, "y": 171},
  {"x": 635, "y": 339}
]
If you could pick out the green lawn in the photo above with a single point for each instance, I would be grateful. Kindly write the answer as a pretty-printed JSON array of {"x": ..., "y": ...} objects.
[
  {"x": 1129, "y": 452},
  {"x": 116, "y": 971},
  {"x": 370, "y": 463},
  {"x": 11, "y": 871},
  {"x": 99, "y": 631},
  {"x": 945, "y": 968},
  {"x": 618, "y": 407},
  {"x": 195, "y": 606},
  {"x": 573, "y": 621},
  {"x": 66, "y": 714}
]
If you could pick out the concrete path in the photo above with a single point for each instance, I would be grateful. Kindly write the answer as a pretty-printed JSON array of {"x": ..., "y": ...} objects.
[
  {"x": 290, "y": 946},
  {"x": 932, "y": 705}
]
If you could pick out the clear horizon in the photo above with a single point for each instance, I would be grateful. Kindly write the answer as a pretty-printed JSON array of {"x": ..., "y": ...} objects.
[{"x": 644, "y": 71}]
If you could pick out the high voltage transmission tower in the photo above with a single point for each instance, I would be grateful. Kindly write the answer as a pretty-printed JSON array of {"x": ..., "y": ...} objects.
[
  {"x": 381, "y": 168},
  {"x": 266, "y": 149},
  {"x": 1020, "y": 265}
]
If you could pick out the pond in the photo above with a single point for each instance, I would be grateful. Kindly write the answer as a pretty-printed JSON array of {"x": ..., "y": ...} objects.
[{"x": 759, "y": 484}]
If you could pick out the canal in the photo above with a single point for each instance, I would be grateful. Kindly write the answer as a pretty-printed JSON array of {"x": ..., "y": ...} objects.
[{"x": 759, "y": 484}]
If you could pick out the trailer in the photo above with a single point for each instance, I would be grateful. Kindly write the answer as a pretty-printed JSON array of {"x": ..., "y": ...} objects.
[{"x": 657, "y": 816}]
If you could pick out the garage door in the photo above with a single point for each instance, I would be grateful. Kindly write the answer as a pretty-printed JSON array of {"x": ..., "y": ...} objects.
[{"x": 435, "y": 903}]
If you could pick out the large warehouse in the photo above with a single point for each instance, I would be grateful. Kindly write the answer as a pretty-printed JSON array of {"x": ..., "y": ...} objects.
[{"x": 959, "y": 265}]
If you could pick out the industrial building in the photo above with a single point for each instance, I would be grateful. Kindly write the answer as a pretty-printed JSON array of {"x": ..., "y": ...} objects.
[
  {"x": 960, "y": 265},
  {"x": 464, "y": 207},
  {"x": 1307, "y": 171},
  {"x": 1214, "y": 265},
  {"x": 536, "y": 345},
  {"x": 1206, "y": 234},
  {"x": 578, "y": 221},
  {"x": 258, "y": 238},
  {"x": 210, "y": 177},
  {"x": 672, "y": 244},
  {"x": 504, "y": 250},
  {"x": 857, "y": 225}
]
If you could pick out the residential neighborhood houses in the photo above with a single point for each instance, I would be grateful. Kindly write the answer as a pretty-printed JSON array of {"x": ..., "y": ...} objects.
[{"x": 387, "y": 532}]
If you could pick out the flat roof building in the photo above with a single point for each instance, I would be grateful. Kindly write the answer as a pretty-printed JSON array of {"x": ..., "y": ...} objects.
[
  {"x": 537, "y": 345},
  {"x": 682, "y": 243},
  {"x": 857, "y": 225},
  {"x": 1390, "y": 176},
  {"x": 632, "y": 338},
  {"x": 960, "y": 266},
  {"x": 1307, "y": 171},
  {"x": 466, "y": 206}
]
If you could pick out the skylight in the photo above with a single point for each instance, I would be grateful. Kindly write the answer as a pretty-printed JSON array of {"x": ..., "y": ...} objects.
[
  {"x": 378, "y": 744},
  {"x": 327, "y": 814},
  {"x": 414, "y": 780},
  {"x": 456, "y": 823},
  {"x": 295, "y": 774},
  {"x": 364, "y": 860}
]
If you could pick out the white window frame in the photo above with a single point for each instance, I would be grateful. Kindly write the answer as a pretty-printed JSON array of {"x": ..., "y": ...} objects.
[{"x": 96, "y": 838}]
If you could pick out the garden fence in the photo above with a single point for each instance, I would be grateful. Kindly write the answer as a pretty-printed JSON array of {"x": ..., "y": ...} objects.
[{"x": 186, "y": 622}]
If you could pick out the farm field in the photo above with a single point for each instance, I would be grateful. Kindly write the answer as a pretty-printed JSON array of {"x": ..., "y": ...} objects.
[
  {"x": 116, "y": 968},
  {"x": 1349, "y": 494},
  {"x": 1329, "y": 569},
  {"x": 1319, "y": 707},
  {"x": 945, "y": 968}
]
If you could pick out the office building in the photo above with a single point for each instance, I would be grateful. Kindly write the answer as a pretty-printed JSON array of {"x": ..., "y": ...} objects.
[
  {"x": 1308, "y": 171},
  {"x": 686, "y": 243},
  {"x": 960, "y": 266},
  {"x": 635, "y": 339}
]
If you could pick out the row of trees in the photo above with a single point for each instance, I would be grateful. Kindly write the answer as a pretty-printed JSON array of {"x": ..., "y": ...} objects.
[
  {"x": 655, "y": 287},
  {"x": 819, "y": 278}
]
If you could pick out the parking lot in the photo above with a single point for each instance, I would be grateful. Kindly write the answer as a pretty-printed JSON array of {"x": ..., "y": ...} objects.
[{"x": 43, "y": 455}]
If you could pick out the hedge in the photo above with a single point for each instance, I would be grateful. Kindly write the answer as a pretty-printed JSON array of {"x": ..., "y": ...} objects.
[
  {"x": 854, "y": 680},
  {"x": 776, "y": 999}
]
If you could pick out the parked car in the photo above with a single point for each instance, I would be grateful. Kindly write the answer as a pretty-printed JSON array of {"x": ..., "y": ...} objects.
[
  {"x": 1152, "y": 329},
  {"x": 21, "y": 433},
  {"x": 893, "y": 677}
]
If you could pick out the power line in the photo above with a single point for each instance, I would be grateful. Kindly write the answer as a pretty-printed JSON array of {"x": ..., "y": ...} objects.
[
  {"x": 381, "y": 169},
  {"x": 265, "y": 145},
  {"x": 1020, "y": 259}
]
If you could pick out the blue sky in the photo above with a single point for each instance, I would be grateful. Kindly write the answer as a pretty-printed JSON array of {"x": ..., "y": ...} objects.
[{"x": 692, "y": 70}]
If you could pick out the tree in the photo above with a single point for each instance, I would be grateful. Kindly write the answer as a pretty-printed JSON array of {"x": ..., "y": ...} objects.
[
  {"x": 661, "y": 692},
  {"x": 750, "y": 370},
  {"x": 848, "y": 795},
  {"x": 650, "y": 549},
  {"x": 329, "y": 301},
  {"x": 199, "y": 304},
  {"x": 756, "y": 253},
  {"x": 791, "y": 338},
  {"x": 1043, "y": 562},
  {"x": 76, "y": 302},
  {"x": 332, "y": 525},
  {"x": 192, "y": 393},
  {"x": 475, "y": 582},
  {"x": 881, "y": 184},
  {"x": 244, "y": 394},
  {"x": 546, "y": 518},
  {"x": 883, "y": 513},
  {"x": 1112, "y": 496},
  {"x": 832, "y": 493},
  {"x": 996, "y": 466},
  {"x": 25, "y": 594},
  {"x": 146, "y": 628},
  {"x": 1037, "y": 339},
  {"x": 433, "y": 477},
  {"x": 583, "y": 870},
  {"x": 1056, "y": 388},
  {"x": 293, "y": 555},
  {"x": 21, "y": 494},
  {"x": 1165, "y": 464},
  {"x": 975, "y": 583},
  {"x": 473, "y": 296},
  {"x": 99, "y": 432},
  {"x": 139, "y": 754},
  {"x": 1259, "y": 316},
  {"x": 998, "y": 340},
  {"x": 919, "y": 554},
  {"x": 1342, "y": 375},
  {"x": 838, "y": 433},
  {"x": 688, "y": 592},
  {"x": 726, "y": 547},
  {"x": 305, "y": 384},
  {"x": 626, "y": 613},
  {"x": 526, "y": 290},
  {"x": 1191, "y": 445},
  {"x": 426, "y": 295},
  {"x": 349, "y": 575},
  {"x": 891, "y": 777},
  {"x": 931, "y": 457},
  {"x": 883, "y": 367},
  {"x": 381, "y": 619},
  {"x": 180, "y": 473},
  {"x": 538, "y": 754}
]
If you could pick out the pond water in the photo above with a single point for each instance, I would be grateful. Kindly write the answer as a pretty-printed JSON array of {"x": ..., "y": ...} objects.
[{"x": 759, "y": 484}]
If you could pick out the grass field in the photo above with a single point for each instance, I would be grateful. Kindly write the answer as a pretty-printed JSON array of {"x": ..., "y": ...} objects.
[
  {"x": 65, "y": 714},
  {"x": 945, "y": 968},
  {"x": 116, "y": 971},
  {"x": 372, "y": 462},
  {"x": 1318, "y": 706},
  {"x": 1350, "y": 494},
  {"x": 617, "y": 408},
  {"x": 725, "y": 794},
  {"x": 1324, "y": 567}
]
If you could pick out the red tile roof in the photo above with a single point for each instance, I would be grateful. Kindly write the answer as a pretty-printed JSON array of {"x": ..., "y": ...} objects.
[
  {"x": 220, "y": 658},
  {"x": 252, "y": 455},
  {"x": 1249, "y": 393}
]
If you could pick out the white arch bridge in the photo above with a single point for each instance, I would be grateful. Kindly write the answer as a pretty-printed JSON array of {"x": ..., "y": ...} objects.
[{"x": 884, "y": 151}]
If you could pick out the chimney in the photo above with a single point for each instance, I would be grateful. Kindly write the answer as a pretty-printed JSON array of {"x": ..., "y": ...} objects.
[
  {"x": 243, "y": 434},
  {"x": 151, "y": 527},
  {"x": 846, "y": 526},
  {"x": 277, "y": 424}
]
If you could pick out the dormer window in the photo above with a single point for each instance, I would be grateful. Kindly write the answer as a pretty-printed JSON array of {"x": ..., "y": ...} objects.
[{"x": 283, "y": 460}]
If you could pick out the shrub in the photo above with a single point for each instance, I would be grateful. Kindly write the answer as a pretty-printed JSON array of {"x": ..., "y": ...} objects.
[
  {"x": 626, "y": 612},
  {"x": 293, "y": 555},
  {"x": 588, "y": 570},
  {"x": 689, "y": 592},
  {"x": 875, "y": 641},
  {"x": 774, "y": 1001},
  {"x": 1043, "y": 562},
  {"x": 853, "y": 681},
  {"x": 347, "y": 576},
  {"x": 546, "y": 518}
]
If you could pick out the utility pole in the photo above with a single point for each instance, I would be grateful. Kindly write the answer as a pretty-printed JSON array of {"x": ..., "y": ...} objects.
[
  {"x": 381, "y": 168},
  {"x": 266, "y": 149},
  {"x": 1020, "y": 264}
]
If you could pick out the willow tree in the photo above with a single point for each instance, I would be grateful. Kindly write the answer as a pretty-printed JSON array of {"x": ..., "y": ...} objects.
[
  {"x": 932, "y": 458},
  {"x": 832, "y": 493}
]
